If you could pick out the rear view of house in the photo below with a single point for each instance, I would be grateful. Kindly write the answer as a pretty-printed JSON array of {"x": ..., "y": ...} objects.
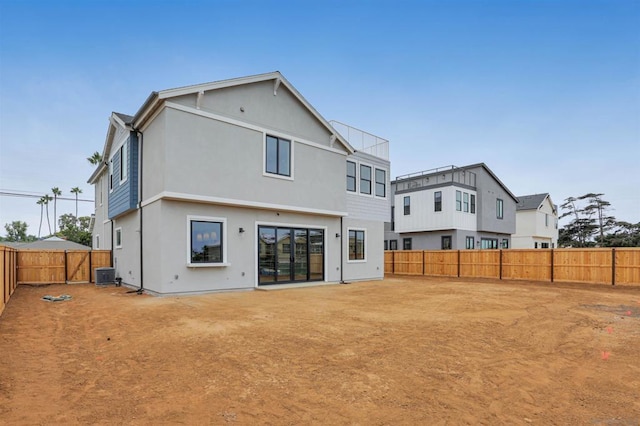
[
  {"x": 536, "y": 222},
  {"x": 232, "y": 185}
]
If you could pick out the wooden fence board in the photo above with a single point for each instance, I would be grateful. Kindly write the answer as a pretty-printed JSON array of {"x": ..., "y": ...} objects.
[
  {"x": 408, "y": 262},
  {"x": 627, "y": 266},
  {"x": 41, "y": 267},
  {"x": 441, "y": 262},
  {"x": 99, "y": 259},
  {"x": 583, "y": 265},
  {"x": 7, "y": 275},
  {"x": 526, "y": 264},
  {"x": 388, "y": 262},
  {"x": 78, "y": 266},
  {"x": 480, "y": 263}
]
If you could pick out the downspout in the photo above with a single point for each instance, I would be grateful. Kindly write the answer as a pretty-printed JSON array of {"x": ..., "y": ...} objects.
[
  {"x": 341, "y": 251},
  {"x": 140, "y": 140}
]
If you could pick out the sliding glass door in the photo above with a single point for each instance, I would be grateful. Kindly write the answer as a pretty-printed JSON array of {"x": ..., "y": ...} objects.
[{"x": 290, "y": 255}]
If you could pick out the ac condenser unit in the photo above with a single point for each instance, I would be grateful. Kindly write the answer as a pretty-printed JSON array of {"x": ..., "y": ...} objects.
[{"x": 105, "y": 276}]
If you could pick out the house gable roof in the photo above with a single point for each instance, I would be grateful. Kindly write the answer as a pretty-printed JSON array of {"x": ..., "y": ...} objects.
[
  {"x": 488, "y": 170},
  {"x": 116, "y": 120},
  {"x": 155, "y": 100},
  {"x": 530, "y": 202}
]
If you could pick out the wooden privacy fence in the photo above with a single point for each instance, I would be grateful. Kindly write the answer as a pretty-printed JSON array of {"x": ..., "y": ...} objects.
[
  {"x": 8, "y": 274},
  {"x": 59, "y": 266},
  {"x": 617, "y": 266}
]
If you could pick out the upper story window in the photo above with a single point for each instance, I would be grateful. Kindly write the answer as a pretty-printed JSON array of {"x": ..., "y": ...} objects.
[
  {"x": 407, "y": 206},
  {"x": 207, "y": 245},
  {"x": 365, "y": 179},
  {"x": 381, "y": 183},
  {"x": 124, "y": 157},
  {"x": 465, "y": 202},
  {"x": 546, "y": 219},
  {"x": 356, "y": 244},
  {"x": 499, "y": 208},
  {"x": 393, "y": 218},
  {"x": 278, "y": 156},
  {"x": 351, "y": 176},
  {"x": 437, "y": 201},
  {"x": 473, "y": 203},
  {"x": 110, "y": 175},
  {"x": 458, "y": 201}
]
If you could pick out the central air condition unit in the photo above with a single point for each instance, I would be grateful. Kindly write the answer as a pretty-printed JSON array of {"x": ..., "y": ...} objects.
[{"x": 105, "y": 276}]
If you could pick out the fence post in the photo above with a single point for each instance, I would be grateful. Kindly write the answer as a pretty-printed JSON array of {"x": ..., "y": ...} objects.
[
  {"x": 90, "y": 259},
  {"x": 422, "y": 255},
  {"x": 613, "y": 266},
  {"x": 500, "y": 263},
  {"x": 458, "y": 263},
  {"x": 552, "y": 265},
  {"x": 393, "y": 261}
]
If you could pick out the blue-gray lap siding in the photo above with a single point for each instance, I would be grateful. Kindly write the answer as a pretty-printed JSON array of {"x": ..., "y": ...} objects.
[{"x": 124, "y": 197}]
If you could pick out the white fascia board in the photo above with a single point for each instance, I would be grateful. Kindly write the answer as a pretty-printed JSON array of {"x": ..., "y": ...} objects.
[
  {"x": 249, "y": 126},
  {"x": 180, "y": 91},
  {"x": 194, "y": 198}
]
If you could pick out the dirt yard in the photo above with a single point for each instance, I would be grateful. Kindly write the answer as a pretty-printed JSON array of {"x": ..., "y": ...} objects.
[{"x": 399, "y": 351}]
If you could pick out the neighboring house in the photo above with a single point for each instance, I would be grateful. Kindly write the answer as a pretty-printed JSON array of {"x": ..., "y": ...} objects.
[
  {"x": 451, "y": 208},
  {"x": 536, "y": 222},
  {"x": 51, "y": 243},
  {"x": 237, "y": 184}
]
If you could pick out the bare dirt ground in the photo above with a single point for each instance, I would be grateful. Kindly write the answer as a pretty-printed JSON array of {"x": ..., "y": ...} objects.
[{"x": 398, "y": 351}]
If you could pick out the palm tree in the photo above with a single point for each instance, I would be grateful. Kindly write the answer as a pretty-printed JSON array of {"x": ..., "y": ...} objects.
[
  {"x": 46, "y": 200},
  {"x": 76, "y": 191},
  {"x": 56, "y": 191},
  {"x": 95, "y": 159},
  {"x": 40, "y": 202}
]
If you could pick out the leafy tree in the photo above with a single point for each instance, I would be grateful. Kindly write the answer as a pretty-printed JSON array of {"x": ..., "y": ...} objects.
[
  {"x": 623, "y": 234},
  {"x": 599, "y": 208},
  {"x": 56, "y": 191},
  {"x": 95, "y": 159},
  {"x": 76, "y": 191},
  {"x": 579, "y": 231},
  {"x": 76, "y": 230},
  {"x": 17, "y": 232}
]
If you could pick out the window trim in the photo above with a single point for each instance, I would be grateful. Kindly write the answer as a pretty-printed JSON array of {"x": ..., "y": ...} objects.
[
  {"x": 225, "y": 237},
  {"x": 117, "y": 232},
  {"x": 364, "y": 245},
  {"x": 124, "y": 161},
  {"x": 291, "y": 156},
  {"x": 371, "y": 168},
  {"x": 355, "y": 176}
]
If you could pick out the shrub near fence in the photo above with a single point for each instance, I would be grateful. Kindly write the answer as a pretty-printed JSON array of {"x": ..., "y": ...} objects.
[
  {"x": 619, "y": 266},
  {"x": 8, "y": 274}
]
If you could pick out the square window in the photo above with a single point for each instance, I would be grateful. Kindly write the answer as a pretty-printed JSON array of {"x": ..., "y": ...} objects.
[
  {"x": 393, "y": 244},
  {"x": 356, "y": 244},
  {"x": 381, "y": 183},
  {"x": 406, "y": 243},
  {"x": 278, "y": 156},
  {"x": 351, "y": 176},
  {"x": 206, "y": 241},
  {"x": 446, "y": 242},
  {"x": 365, "y": 179},
  {"x": 505, "y": 243}
]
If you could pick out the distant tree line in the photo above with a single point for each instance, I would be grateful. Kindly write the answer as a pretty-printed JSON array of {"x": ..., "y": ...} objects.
[{"x": 593, "y": 225}]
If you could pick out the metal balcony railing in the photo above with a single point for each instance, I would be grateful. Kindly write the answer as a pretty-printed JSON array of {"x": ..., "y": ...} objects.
[{"x": 363, "y": 141}]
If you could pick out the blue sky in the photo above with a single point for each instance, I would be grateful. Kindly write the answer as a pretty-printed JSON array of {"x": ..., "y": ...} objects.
[{"x": 546, "y": 93}]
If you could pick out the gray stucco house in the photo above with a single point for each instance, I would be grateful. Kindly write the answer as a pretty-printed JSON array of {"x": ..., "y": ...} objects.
[
  {"x": 451, "y": 208},
  {"x": 238, "y": 184}
]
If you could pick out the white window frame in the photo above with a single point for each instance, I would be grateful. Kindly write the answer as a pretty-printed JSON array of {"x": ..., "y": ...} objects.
[
  {"x": 364, "y": 248},
  {"x": 292, "y": 144},
  {"x": 124, "y": 161},
  {"x": 117, "y": 231},
  {"x": 225, "y": 238}
]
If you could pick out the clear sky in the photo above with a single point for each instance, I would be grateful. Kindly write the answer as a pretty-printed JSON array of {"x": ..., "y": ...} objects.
[{"x": 546, "y": 93}]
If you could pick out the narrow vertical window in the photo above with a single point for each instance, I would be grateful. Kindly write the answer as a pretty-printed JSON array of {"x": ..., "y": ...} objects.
[
  {"x": 124, "y": 161},
  {"x": 119, "y": 238},
  {"x": 278, "y": 156},
  {"x": 365, "y": 179},
  {"x": 505, "y": 243},
  {"x": 356, "y": 245},
  {"x": 470, "y": 243},
  {"x": 546, "y": 219},
  {"x": 393, "y": 218},
  {"x": 437, "y": 201},
  {"x": 381, "y": 183},
  {"x": 393, "y": 244},
  {"x": 473, "y": 203},
  {"x": 499, "y": 209},
  {"x": 406, "y": 244},
  {"x": 351, "y": 176},
  {"x": 465, "y": 202},
  {"x": 458, "y": 201},
  {"x": 407, "y": 206},
  {"x": 386, "y": 244},
  {"x": 110, "y": 175}
]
